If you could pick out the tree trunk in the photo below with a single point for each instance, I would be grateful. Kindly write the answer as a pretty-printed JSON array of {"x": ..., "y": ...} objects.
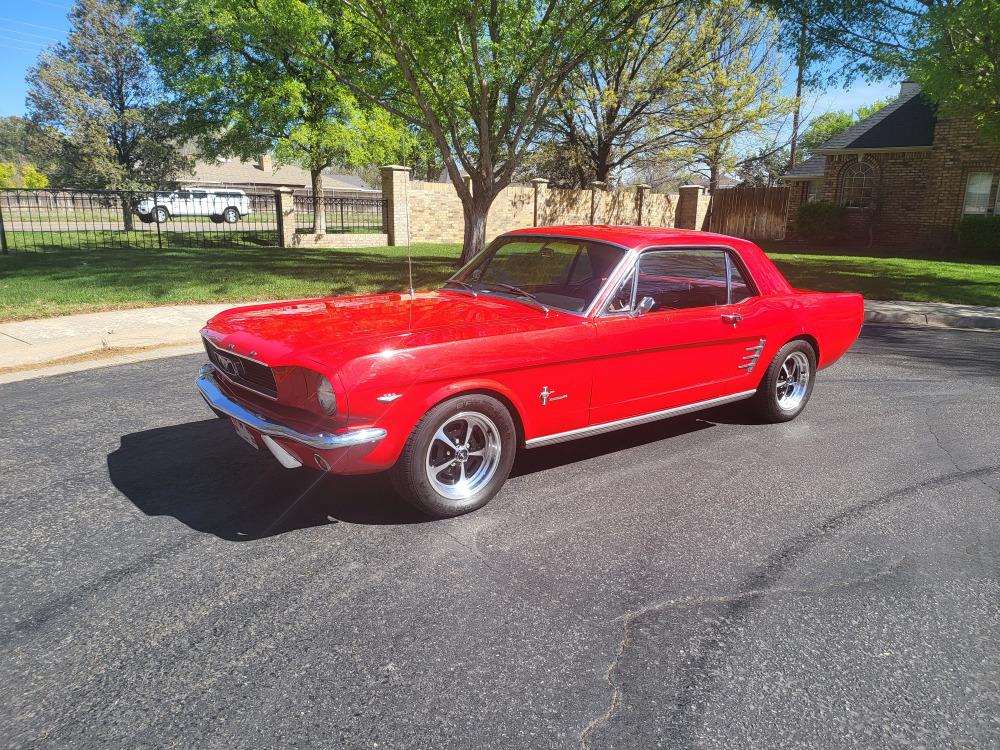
[
  {"x": 319, "y": 207},
  {"x": 793, "y": 156},
  {"x": 475, "y": 213},
  {"x": 127, "y": 216}
]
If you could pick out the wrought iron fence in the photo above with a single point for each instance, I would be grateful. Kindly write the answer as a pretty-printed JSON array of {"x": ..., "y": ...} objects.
[
  {"x": 50, "y": 220},
  {"x": 342, "y": 214}
]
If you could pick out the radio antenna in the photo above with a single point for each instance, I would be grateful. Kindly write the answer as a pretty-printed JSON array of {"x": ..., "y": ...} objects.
[{"x": 409, "y": 260}]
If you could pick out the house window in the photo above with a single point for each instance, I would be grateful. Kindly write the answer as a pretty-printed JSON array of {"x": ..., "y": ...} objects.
[
  {"x": 857, "y": 185},
  {"x": 977, "y": 194},
  {"x": 814, "y": 190}
]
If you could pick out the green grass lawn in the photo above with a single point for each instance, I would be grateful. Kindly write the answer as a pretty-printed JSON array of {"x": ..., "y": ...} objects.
[
  {"x": 61, "y": 281},
  {"x": 894, "y": 278},
  {"x": 102, "y": 278}
]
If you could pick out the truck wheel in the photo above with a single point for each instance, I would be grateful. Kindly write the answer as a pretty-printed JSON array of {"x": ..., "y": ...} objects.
[
  {"x": 458, "y": 456},
  {"x": 160, "y": 215},
  {"x": 785, "y": 389},
  {"x": 231, "y": 215}
]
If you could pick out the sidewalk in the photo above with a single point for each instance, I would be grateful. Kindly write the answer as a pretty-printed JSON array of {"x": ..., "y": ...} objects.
[{"x": 51, "y": 346}]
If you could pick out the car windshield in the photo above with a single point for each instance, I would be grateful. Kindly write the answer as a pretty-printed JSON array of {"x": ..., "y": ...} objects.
[{"x": 558, "y": 272}]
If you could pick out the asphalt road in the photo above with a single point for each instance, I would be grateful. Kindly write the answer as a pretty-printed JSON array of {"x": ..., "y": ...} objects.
[{"x": 703, "y": 582}]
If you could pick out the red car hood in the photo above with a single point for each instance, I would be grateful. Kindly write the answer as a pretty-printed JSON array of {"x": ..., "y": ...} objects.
[{"x": 331, "y": 331}]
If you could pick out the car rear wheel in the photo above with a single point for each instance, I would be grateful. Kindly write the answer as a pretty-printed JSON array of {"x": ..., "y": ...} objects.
[
  {"x": 231, "y": 215},
  {"x": 788, "y": 383},
  {"x": 160, "y": 215},
  {"x": 458, "y": 456}
]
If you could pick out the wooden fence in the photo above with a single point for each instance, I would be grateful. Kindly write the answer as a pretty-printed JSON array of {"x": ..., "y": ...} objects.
[{"x": 755, "y": 213}]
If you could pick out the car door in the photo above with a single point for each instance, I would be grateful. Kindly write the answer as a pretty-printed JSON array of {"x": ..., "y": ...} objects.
[
  {"x": 200, "y": 203},
  {"x": 697, "y": 341}
]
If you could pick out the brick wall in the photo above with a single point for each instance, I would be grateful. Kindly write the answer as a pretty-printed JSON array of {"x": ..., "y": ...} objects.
[{"x": 920, "y": 193}]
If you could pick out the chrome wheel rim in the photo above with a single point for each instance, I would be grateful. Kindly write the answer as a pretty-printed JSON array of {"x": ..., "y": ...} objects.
[
  {"x": 463, "y": 455},
  {"x": 793, "y": 380}
]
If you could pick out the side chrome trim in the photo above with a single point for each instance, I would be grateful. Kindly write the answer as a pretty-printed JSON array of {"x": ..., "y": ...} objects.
[
  {"x": 750, "y": 359},
  {"x": 220, "y": 402},
  {"x": 619, "y": 424}
]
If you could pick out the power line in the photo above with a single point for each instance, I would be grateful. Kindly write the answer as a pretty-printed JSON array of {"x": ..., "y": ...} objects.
[
  {"x": 12, "y": 48},
  {"x": 33, "y": 25},
  {"x": 28, "y": 33},
  {"x": 26, "y": 42},
  {"x": 60, "y": 6}
]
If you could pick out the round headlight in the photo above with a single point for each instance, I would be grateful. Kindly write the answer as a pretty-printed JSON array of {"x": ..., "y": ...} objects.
[{"x": 326, "y": 397}]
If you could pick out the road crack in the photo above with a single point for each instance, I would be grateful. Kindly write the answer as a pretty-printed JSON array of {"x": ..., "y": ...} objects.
[{"x": 628, "y": 618}]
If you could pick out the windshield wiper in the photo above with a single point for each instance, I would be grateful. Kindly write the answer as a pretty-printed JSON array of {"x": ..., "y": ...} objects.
[
  {"x": 518, "y": 292},
  {"x": 471, "y": 288}
]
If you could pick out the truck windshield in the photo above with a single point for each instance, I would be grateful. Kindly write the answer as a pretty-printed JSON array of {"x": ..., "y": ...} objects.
[{"x": 563, "y": 273}]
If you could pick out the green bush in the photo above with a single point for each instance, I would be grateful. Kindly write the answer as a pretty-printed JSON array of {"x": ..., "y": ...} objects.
[
  {"x": 821, "y": 221},
  {"x": 980, "y": 236}
]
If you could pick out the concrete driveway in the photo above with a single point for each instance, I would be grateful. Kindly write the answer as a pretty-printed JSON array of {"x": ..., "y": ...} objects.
[{"x": 703, "y": 582}]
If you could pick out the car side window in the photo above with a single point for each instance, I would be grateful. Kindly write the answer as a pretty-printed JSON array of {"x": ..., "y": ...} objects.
[
  {"x": 739, "y": 289},
  {"x": 621, "y": 300},
  {"x": 682, "y": 279}
]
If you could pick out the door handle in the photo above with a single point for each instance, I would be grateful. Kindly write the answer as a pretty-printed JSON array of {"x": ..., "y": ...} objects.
[{"x": 733, "y": 318}]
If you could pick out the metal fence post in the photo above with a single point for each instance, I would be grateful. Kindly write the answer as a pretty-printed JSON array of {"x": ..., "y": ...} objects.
[{"x": 3, "y": 234}]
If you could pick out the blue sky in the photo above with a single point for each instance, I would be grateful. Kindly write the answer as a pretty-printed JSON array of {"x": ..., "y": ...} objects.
[{"x": 28, "y": 26}]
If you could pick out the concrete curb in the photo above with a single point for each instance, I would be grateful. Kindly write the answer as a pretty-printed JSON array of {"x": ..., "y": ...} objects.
[{"x": 932, "y": 315}]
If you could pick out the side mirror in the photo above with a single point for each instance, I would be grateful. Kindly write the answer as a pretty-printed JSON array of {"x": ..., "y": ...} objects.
[{"x": 644, "y": 306}]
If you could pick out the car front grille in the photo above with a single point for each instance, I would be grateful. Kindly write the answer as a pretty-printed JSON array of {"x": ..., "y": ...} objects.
[{"x": 243, "y": 371}]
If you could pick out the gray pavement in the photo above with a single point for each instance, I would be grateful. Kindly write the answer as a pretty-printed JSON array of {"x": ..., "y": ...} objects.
[{"x": 702, "y": 582}]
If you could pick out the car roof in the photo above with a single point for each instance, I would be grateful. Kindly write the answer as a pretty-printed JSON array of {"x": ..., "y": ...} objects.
[{"x": 631, "y": 236}]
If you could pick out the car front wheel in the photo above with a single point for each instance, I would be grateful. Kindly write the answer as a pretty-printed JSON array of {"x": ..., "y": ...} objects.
[
  {"x": 458, "y": 456},
  {"x": 160, "y": 215},
  {"x": 231, "y": 215},
  {"x": 787, "y": 385}
]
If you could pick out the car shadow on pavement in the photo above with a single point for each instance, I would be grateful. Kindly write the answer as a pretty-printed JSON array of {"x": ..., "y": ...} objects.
[
  {"x": 561, "y": 454},
  {"x": 203, "y": 475}
]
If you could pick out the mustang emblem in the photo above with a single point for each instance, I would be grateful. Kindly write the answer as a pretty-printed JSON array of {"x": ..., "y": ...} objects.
[
  {"x": 230, "y": 365},
  {"x": 546, "y": 395}
]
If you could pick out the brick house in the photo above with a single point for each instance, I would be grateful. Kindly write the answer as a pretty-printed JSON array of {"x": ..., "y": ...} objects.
[{"x": 906, "y": 176}]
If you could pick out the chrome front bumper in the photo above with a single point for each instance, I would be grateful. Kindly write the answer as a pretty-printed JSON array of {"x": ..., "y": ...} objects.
[{"x": 220, "y": 402}]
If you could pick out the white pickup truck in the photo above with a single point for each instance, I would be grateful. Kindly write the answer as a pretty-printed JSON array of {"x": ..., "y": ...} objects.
[{"x": 221, "y": 204}]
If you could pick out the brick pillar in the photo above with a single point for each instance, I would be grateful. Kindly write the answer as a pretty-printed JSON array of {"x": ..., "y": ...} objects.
[
  {"x": 284, "y": 206},
  {"x": 541, "y": 186},
  {"x": 686, "y": 216},
  {"x": 596, "y": 200},
  {"x": 395, "y": 184},
  {"x": 642, "y": 204}
]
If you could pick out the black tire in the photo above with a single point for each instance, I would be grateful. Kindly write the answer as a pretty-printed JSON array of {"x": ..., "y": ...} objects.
[
  {"x": 231, "y": 215},
  {"x": 215, "y": 218},
  {"x": 774, "y": 401},
  {"x": 160, "y": 215},
  {"x": 424, "y": 448}
]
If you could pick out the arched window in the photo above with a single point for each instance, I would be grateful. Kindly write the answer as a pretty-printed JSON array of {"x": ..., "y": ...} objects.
[{"x": 857, "y": 185}]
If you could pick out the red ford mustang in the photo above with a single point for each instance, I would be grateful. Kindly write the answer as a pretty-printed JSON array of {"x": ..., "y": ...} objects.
[{"x": 550, "y": 334}]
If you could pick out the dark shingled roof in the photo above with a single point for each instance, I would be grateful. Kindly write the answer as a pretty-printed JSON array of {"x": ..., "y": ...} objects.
[
  {"x": 912, "y": 124},
  {"x": 907, "y": 122},
  {"x": 810, "y": 168}
]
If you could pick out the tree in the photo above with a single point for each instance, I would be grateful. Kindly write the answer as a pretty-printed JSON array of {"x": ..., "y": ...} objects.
[
  {"x": 825, "y": 126},
  {"x": 631, "y": 100},
  {"x": 8, "y": 174},
  {"x": 959, "y": 67},
  {"x": 763, "y": 169},
  {"x": 98, "y": 90},
  {"x": 23, "y": 142},
  {"x": 742, "y": 85},
  {"x": 256, "y": 80},
  {"x": 32, "y": 177},
  {"x": 478, "y": 76}
]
